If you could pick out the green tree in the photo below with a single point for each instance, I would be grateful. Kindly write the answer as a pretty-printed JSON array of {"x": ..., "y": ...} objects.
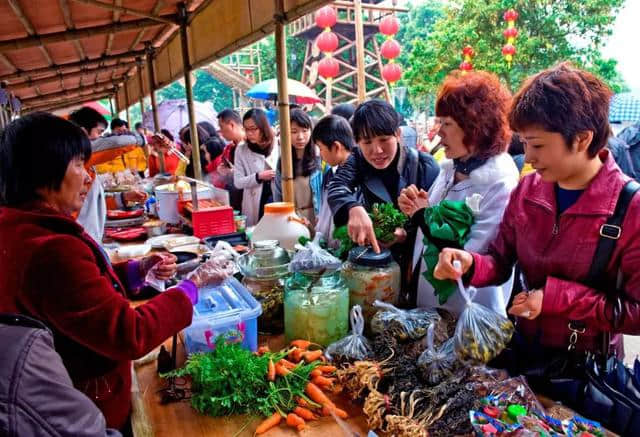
[
  {"x": 296, "y": 48},
  {"x": 550, "y": 31}
]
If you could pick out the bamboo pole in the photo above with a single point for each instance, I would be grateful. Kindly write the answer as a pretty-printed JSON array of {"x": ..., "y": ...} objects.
[
  {"x": 152, "y": 87},
  {"x": 126, "y": 102},
  {"x": 140, "y": 85},
  {"x": 186, "y": 66},
  {"x": 283, "y": 105},
  {"x": 111, "y": 107},
  {"x": 129, "y": 11},
  {"x": 362, "y": 86}
]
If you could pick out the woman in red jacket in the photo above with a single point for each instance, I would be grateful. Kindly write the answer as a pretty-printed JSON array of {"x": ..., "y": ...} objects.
[
  {"x": 554, "y": 222},
  {"x": 52, "y": 270}
]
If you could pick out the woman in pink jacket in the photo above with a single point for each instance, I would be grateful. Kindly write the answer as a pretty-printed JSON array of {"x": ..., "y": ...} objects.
[{"x": 554, "y": 222}]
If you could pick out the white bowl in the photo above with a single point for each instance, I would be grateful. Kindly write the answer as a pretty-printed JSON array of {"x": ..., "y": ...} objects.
[{"x": 132, "y": 251}]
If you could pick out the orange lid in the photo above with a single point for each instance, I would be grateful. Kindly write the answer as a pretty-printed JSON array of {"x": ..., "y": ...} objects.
[{"x": 279, "y": 208}]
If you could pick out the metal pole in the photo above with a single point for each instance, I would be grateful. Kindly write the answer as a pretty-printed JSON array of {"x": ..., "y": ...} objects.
[
  {"x": 186, "y": 65},
  {"x": 362, "y": 87},
  {"x": 283, "y": 105}
]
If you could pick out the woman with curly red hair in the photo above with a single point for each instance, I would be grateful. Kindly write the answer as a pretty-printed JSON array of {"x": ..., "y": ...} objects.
[{"x": 472, "y": 109}]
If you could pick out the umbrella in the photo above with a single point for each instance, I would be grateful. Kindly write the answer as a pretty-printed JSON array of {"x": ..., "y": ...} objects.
[
  {"x": 98, "y": 107},
  {"x": 624, "y": 107},
  {"x": 298, "y": 92},
  {"x": 173, "y": 115}
]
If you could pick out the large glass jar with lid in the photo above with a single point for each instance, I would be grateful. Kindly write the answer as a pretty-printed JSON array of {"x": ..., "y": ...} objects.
[
  {"x": 371, "y": 276},
  {"x": 265, "y": 268},
  {"x": 316, "y": 307}
]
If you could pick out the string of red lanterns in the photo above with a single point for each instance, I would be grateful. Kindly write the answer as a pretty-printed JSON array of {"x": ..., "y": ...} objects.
[
  {"x": 390, "y": 49},
  {"x": 327, "y": 42},
  {"x": 467, "y": 53},
  {"x": 510, "y": 33}
]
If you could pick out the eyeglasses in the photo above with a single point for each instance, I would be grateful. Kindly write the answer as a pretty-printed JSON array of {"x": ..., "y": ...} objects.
[{"x": 251, "y": 128}]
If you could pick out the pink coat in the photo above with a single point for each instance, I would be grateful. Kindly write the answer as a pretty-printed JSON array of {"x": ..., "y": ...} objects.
[{"x": 555, "y": 254}]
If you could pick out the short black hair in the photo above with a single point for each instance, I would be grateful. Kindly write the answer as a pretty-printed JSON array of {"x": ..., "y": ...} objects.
[
  {"x": 35, "y": 151},
  {"x": 333, "y": 128},
  {"x": 167, "y": 134},
  {"x": 227, "y": 115},
  {"x": 118, "y": 122},
  {"x": 374, "y": 118},
  {"x": 345, "y": 110},
  {"x": 138, "y": 125},
  {"x": 87, "y": 118},
  {"x": 211, "y": 129}
]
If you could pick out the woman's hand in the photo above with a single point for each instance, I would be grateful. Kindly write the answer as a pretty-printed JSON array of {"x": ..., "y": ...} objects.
[
  {"x": 445, "y": 270},
  {"x": 527, "y": 305},
  {"x": 360, "y": 228},
  {"x": 134, "y": 196},
  {"x": 267, "y": 175},
  {"x": 166, "y": 265},
  {"x": 412, "y": 200}
]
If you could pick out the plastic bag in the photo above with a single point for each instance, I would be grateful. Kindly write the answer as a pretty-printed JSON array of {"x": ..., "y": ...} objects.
[
  {"x": 313, "y": 259},
  {"x": 402, "y": 324},
  {"x": 481, "y": 334},
  {"x": 437, "y": 364},
  {"x": 354, "y": 346},
  {"x": 218, "y": 267}
]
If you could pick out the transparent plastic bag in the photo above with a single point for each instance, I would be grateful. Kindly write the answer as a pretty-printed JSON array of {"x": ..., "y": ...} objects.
[
  {"x": 435, "y": 365},
  {"x": 218, "y": 267},
  {"x": 402, "y": 324},
  {"x": 354, "y": 346},
  {"x": 481, "y": 334},
  {"x": 311, "y": 258}
]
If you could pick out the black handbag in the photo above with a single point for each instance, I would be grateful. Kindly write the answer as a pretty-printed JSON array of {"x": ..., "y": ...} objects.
[{"x": 596, "y": 385}]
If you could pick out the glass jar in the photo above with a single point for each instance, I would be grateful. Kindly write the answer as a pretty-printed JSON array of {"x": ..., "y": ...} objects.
[
  {"x": 316, "y": 307},
  {"x": 371, "y": 276},
  {"x": 265, "y": 268}
]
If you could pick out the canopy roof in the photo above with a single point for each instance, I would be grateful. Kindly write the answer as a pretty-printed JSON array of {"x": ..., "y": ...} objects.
[{"x": 63, "y": 52}]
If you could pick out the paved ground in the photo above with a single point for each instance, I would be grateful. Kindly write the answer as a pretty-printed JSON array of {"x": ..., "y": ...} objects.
[{"x": 631, "y": 348}]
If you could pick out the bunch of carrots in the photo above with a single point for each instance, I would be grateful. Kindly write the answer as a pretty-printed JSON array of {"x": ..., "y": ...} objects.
[{"x": 314, "y": 401}]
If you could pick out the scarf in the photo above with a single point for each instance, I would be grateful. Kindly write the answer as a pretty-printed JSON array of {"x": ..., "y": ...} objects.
[
  {"x": 255, "y": 148},
  {"x": 466, "y": 167}
]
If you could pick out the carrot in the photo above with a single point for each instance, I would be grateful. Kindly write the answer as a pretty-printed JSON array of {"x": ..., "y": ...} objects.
[
  {"x": 317, "y": 395},
  {"x": 303, "y": 403},
  {"x": 304, "y": 413},
  {"x": 271, "y": 371},
  {"x": 269, "y": 423},
  {"x": 326, "y": 411},
  {"x": 296, "y": 354},
  {"x": 295, "y": 421},
  {"x": 287, "y": 364},
  {"x": 263, "y": 350},
  {"x": 301, "y": 344},
  {"x": 316, "y": 372},
  {"x": 282, "y": 371},
  {"x": 310, "y": 356},
  {"x": 327, "y": 369},
  {"x": 323, "y": 382}
]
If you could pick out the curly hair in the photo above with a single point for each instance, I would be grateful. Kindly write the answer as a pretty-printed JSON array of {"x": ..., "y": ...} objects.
[
  {"x": 565, "y": 100},
  {"x": 479, "y": 103}
]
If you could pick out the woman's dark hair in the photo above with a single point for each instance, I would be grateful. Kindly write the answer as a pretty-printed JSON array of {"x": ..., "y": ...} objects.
[
  {"x": 479, "y": 103},
  {"x": 87, "y": 118},
  {"x": 259, "y": 117},
  {"x": 167, "y": 134},
  {"x": 565, "y": 100},
  {"x": 185, "y": 134},
  {"x": 345, "y": 110},
  {"x": 309, "y": 157},
  {"x": 35, "y": 151},
  {"x": 516, "y": 145},
  {"x": 211, "y": 129},
  {"x": 374, "y": 118},
  {"x": 215, "y": 146},
  {"x": 333, "y": 128}
]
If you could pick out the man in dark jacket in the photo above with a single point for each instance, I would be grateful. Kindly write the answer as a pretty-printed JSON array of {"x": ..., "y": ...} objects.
[
  {"x": 37, "y": 397},
  {"x": 631, "y": 137}
]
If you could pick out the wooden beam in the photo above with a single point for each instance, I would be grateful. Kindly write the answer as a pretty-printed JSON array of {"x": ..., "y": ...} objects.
[
  {"x": 17, "y": 10},
  {"x": 7, "y": 62},
  {"x": 152, "y": 87},
  {"x": 75, "y": 34},
  {"x": 74, "y": 75},
  {"x": 66, "y": 14},
  {"x": 362, "y": 87},
  {"x": 128, "y": 11},
  {"x": 80, "y": 64},
  {"x": 154, "y": 11},
  {"x": 53, "y": 106},
  {"x": 97, "y": 86},
  {"x": 116, "y": 19},
  {"x": 370, "y": 6}
]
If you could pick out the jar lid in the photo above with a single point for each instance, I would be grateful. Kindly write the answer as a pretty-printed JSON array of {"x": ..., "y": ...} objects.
[
  {"x": 279, "y": 208},
  {"x": 366, "y": 256}
]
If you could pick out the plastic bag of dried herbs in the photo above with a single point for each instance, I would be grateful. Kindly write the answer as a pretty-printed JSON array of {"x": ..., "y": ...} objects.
[
  {"x": 437, "y": 364},
  {"x": 354, "y": 346},
  {"x": 402, "y": 324}
]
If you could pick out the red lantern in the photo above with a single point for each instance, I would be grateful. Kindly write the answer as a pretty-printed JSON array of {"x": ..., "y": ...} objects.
[
  {"x": 327, "y": 42},
  {"x": 468, "y": 51},
  {"x": 389, "y": 25},
  {"x": 392, "y": 72},
  {"x": 466, "y": 66},
  {"x": 390, "y": 49},
  {"x": 326, "y": 17},
  {"x": 510, "y": 15},
  {"x": 328, "y": 68},
  {"x": 508, "y": 49},
  {"x": 511, "y": 32}
]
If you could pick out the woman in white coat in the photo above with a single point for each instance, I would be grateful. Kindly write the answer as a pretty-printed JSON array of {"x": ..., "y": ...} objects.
[
  {"x": 472, "y": 109},
  {"x": 255, "y": 164}
]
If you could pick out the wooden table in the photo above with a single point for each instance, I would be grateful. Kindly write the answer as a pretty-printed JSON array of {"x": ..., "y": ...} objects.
[{"x": 179, "y": 419}]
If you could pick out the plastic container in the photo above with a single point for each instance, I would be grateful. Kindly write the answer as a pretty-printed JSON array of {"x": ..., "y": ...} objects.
[
  {"x": 281, "y": 223},
  {"x": 316, "y": 308},
  {"x": 241, "y": 222},
  {"x": 370, "y": 277},
  {"x": 265, "y": 268},
  {"x": 167, "y": 197},
  {"x": 227, "y": 309}
]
